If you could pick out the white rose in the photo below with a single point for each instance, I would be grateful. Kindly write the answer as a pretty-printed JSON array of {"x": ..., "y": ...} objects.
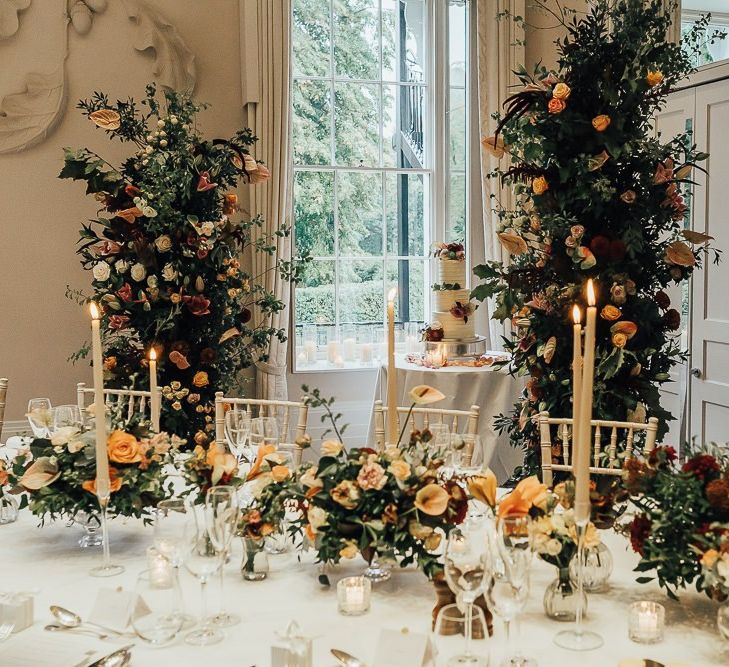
[
  {"x": 149, "y": 212},
  {"x": 163, "y": 243},
  {"x": 317, "y": 517},
  {"x": 151, "y": 281},
  {"x": 138, "y": 272},
  {"x": 101, "y": 271},
  {"x": 553, "y": 547},
  {"x": 207, "y": 228},
  {"x": 121, "y": 265},
  {"x": 168, "y": 272},
  {"x": 331, "y": 448}
]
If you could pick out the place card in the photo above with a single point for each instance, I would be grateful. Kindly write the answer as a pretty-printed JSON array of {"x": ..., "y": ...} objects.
[
  {"x": 16, "y": 609},
  {"x": 113, "y": 608},
  {"x": 402, "y": 649}
]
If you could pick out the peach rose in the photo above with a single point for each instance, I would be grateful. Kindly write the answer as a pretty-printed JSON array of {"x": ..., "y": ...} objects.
[
  {"x": 561, "y": 91},
  {"x": 709, "y": 558},
  {"x": 123, "y": 448},
  {"x": 540, "y": 185},
  {"x": 350, "y": 550},
  {"x": 399, "y": 469},
  {"x": 200, "y": 379},
  {"x": 115, "y": 482},
  {"x": 601, "y": 122},
  {"x": 628, "y": 197},
  {"x": 556, "y": 105},
  {"x": 619, "y": 340},
  {"x": 610, "y": 313},
  {"x": 280, "y": 473},
  {"x": 432, "y": 499}
]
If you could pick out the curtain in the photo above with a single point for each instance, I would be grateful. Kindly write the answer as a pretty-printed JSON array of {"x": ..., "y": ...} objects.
[
  {"x": 497, "y": 55},
  {"x": 673, "y": 7},
  {"x": 265, "y": 36}
]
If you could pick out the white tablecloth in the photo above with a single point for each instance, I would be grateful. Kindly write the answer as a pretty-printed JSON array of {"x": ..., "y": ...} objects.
[
  {"x": 49, "y": 561},
  {"x": 493, "y": 390}
]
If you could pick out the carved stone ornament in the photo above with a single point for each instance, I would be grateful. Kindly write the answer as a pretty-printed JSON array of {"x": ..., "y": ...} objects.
[
  {"x": 9, "y": 20},
  {"x": 27, "y": 117}
]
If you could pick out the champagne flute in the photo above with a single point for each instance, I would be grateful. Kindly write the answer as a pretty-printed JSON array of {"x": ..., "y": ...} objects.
[
  {"x": 466, "y": 559},
  {"x": 237, "y": 431},
  {"x": 40, "y": 417},
  {"x": 264, "y": 431},
  {"x": 222, "y": 513},
  {"x": 202, "y": 559}
]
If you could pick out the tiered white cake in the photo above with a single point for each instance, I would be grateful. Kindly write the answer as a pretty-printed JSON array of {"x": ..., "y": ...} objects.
[{"x": 452, "y": 273}]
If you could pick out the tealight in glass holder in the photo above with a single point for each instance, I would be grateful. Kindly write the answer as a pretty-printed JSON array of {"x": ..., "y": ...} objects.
[
  {"x": 646, "y": 621},
  {"x": 353, "y": 596}
]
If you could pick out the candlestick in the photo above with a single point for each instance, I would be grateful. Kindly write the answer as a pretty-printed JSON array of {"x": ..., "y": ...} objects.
[
  {"x": 391, "y": 371},
  {"x": 154, "y": 401},
  {"x": 582, "y": 469},
  {"x": 102, "y": 458},
  {"x": 310, "y": 351},
  {"x": 576, "y": 379}
]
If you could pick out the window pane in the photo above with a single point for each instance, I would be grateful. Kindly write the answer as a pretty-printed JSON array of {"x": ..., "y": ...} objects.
[
  {"x": 457, "y": 42},
  {"x": 311, "y": 38},
  {"x": 357, "y": 39},
  {"x": 408, "y": 276},
  {"x": 357, "y": 122},
  {"x": 405, "y": 214},
  {"x": 314, "y": 212},
  {"x": 311, "y": 122},
  {"x": 403, "y": 40},
  {"x": 456, "y": 227},
  {"x": 403, "y": 121},
  {"x": 359, "y": 201},
  {"x": 315, "y": 294},
  {"x": 360, "y": 291},
  {"x": 457, "y": 129}
]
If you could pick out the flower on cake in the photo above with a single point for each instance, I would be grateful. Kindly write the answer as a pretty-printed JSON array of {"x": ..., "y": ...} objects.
[{"x": 461, "y": 311}]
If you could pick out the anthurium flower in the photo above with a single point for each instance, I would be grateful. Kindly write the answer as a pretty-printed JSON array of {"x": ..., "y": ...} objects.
[
  {"x": 423, "y": 394},
  {"x": 483, "y": 487},
  {"x": 263, "y": 452},
  {"x": 624, "y": 327},
  {"x": 106, "y": 119},
  {"x": 280, "y": 473},
  {"x": 223, "y": 464},
  {"x": 514, "y": 243},
  {"x": 203, "y": 182},
  {"x": 528, "y": 492},
  {"x": 432, "y": 499},
  {"x": 259, "y": 175},
  {"x": 42, "y": 472},
  {"x": 597, "y": 161},
  {"x": 129, "y": 214},
  {"x": 179, "y": 360},
  {"x": 494, "y": 145},
  {"x": 680, "y": 254}
]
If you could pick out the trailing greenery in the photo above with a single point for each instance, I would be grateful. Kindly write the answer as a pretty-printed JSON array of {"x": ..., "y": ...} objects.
[{"x": 597, "y": 195}]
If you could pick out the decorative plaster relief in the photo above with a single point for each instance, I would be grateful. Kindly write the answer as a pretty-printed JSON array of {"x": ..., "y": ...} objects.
[{"x": 9, "y": 20}]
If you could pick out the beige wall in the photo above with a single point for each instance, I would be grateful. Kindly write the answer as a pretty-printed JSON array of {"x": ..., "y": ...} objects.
[
  {"x": 541, "y": 33},
  {"x": 40, "y": 215}
]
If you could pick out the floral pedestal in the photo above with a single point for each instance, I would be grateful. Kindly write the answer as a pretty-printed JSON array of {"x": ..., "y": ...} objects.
[
  {"x": 91, "y": 525},
  {"x": 8, "y": 508},
  {"x": 445, "y": 596},
  {"x": 597, "y": 566},
  {"x": 560, "y": 598},
  {"x": 255, "y": 560}
]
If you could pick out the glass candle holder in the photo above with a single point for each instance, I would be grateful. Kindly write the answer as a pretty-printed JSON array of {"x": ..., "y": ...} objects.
[
  {"x": 646, "y": 622},
  {"x": 353, "y": 596},
  {"x": 160, "y": 570}
]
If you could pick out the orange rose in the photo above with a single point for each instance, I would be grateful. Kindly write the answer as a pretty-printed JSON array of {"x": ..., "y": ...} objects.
[
  {"x": 601, "y": 122},
  {"x": 540, "y": 185},
  {"x": 115, "y": 482},
  {"x": 527, "y": 493},
  {"x": 556, "y": 105},
  {"x": 280, "y": 473},
  {"x": 654, "y": 78},
  {"x": 123, "y": 448},
  {"x": 610, "y": 313},
  {"x": 619, "y": 340},
  {"x": 230, "y": 203},
  {"x": 109, "y": 363},
  {"x": 561, "y": 91},
  {"x": 201, "y": 379}
]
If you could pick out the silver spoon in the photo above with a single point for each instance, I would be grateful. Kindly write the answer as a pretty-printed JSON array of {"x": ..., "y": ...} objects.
[
  {"x": 70, "y": 619},
  {"x": 346, "y": 659},
  {"x": 57, "y": 627},
  {"x": 120, "y": 658}
]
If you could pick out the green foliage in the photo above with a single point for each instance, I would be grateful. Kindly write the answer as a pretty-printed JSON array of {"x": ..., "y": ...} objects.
[{"x": 597, "y": 195}]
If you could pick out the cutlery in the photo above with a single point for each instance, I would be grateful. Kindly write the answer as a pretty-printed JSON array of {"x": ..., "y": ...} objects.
[
  {"x": 70, "y": 619},
  {"x": 57, "y": 627},
  {"x": 118, "y": 658},
  {"x": 346, "y": 659}
]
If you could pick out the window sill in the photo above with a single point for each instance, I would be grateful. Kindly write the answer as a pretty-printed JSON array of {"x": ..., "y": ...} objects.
[{"x": 323, "y": 366}]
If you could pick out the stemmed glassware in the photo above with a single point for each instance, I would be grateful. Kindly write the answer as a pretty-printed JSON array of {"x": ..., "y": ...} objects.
[
  {"x": 222, "y": 513},
  {"x": 237, "y": 432},
  {"x": 107, "y": 568},
  {"x": 264, "y": 431},
  {"x": 202, "y": 559},
  {"x": 451, "y": 629},
  {"x": 40, "y": 417},
  {"x": 64, "y": 416},
  {"x": 508, "y": 590},
  {"x": 157, "y": 618},
  {"x": 466, "y": 563}
]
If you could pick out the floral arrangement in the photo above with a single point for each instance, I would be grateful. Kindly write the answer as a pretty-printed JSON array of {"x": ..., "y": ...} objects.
[
  {"x": 715, "y": 562},
  {"x": 204, "y": 468},
  {"x": 449, "y": 251},
  {"x": 596, "y": 195},
  {"x": 57, "y": 476},
  {"x": 433, "y": 333},
  {"x": 682, "y": 515},
  {"x": 461, "y": 311},
  {"x": 164, "y": 254}
]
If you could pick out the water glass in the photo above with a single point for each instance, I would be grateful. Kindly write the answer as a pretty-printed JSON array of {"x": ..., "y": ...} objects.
[
  {"x": 169, "y": 529},
  {"x": 157, "y": 617},
  {"x": 65, "y": 416},
  {"x": 39, "y": 416},
  {"x": 237, "y": 432},
  {"x": 264, "y": 431},
  {"x": 449, "y": 637}
]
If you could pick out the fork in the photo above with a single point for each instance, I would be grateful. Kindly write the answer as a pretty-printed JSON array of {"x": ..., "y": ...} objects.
[{"x": 5, "y": 630}]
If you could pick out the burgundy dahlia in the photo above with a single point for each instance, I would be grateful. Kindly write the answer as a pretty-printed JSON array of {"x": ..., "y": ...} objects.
[
  {"x": 703, "y": 466},
  {"x": 672, "y": 319},
  {"x": 662, "y": 299},
  {"x": 640, "y": 529}
]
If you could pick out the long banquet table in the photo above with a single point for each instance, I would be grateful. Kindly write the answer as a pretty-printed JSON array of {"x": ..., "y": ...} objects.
[{"x": 49, "y": 562}]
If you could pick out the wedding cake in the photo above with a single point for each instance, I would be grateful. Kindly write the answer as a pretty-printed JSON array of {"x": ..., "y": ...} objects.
[{"x": 452, "y": 308}]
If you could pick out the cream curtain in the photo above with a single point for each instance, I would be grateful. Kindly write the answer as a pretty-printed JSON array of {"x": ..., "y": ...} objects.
[
  {"x": 265, "y": 36},
  {"x": 673, "y": 7},
  {"x": 499, "y": 50}
]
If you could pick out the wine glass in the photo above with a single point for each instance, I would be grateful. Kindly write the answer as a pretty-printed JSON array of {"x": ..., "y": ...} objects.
[
  {"x": 157, "y": 617},
  {"x": 66, "y": 416},
  {"x": 222, "y": 513},
  {"x": 39, "y": 416},
  {"x": 508, "y": 589},
  {"x": 450, "y": 632},
  {"x": 237, "y": 431},
  {"x": 264, "y": 431},
  {"x": 466, "y": 561},
  {"x": 202, "y": 559}
]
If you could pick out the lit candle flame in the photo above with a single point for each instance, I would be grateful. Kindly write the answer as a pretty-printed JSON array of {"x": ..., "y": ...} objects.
[
  {"x": 576, "y": 314},
  {"x": 94, "y": 310},
  {"x": 590, "y": 293},
  {"x": 152, "y": 354},
  {"x": 392, "y": 294}
]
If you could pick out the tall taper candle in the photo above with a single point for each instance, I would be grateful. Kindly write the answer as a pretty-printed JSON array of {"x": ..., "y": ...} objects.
[
  {"x": 391, "y": 371},
  {"x": 582, "y": 472},
  {"x": 102, "y": 458},
  {"x": 576, "y": 380},
  {"x": 154, "y": 406}
]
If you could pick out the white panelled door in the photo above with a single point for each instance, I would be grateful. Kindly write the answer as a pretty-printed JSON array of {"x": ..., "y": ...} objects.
[
  {"x": 709, "y": 388},
  {"x": 676, "y": 118}
]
